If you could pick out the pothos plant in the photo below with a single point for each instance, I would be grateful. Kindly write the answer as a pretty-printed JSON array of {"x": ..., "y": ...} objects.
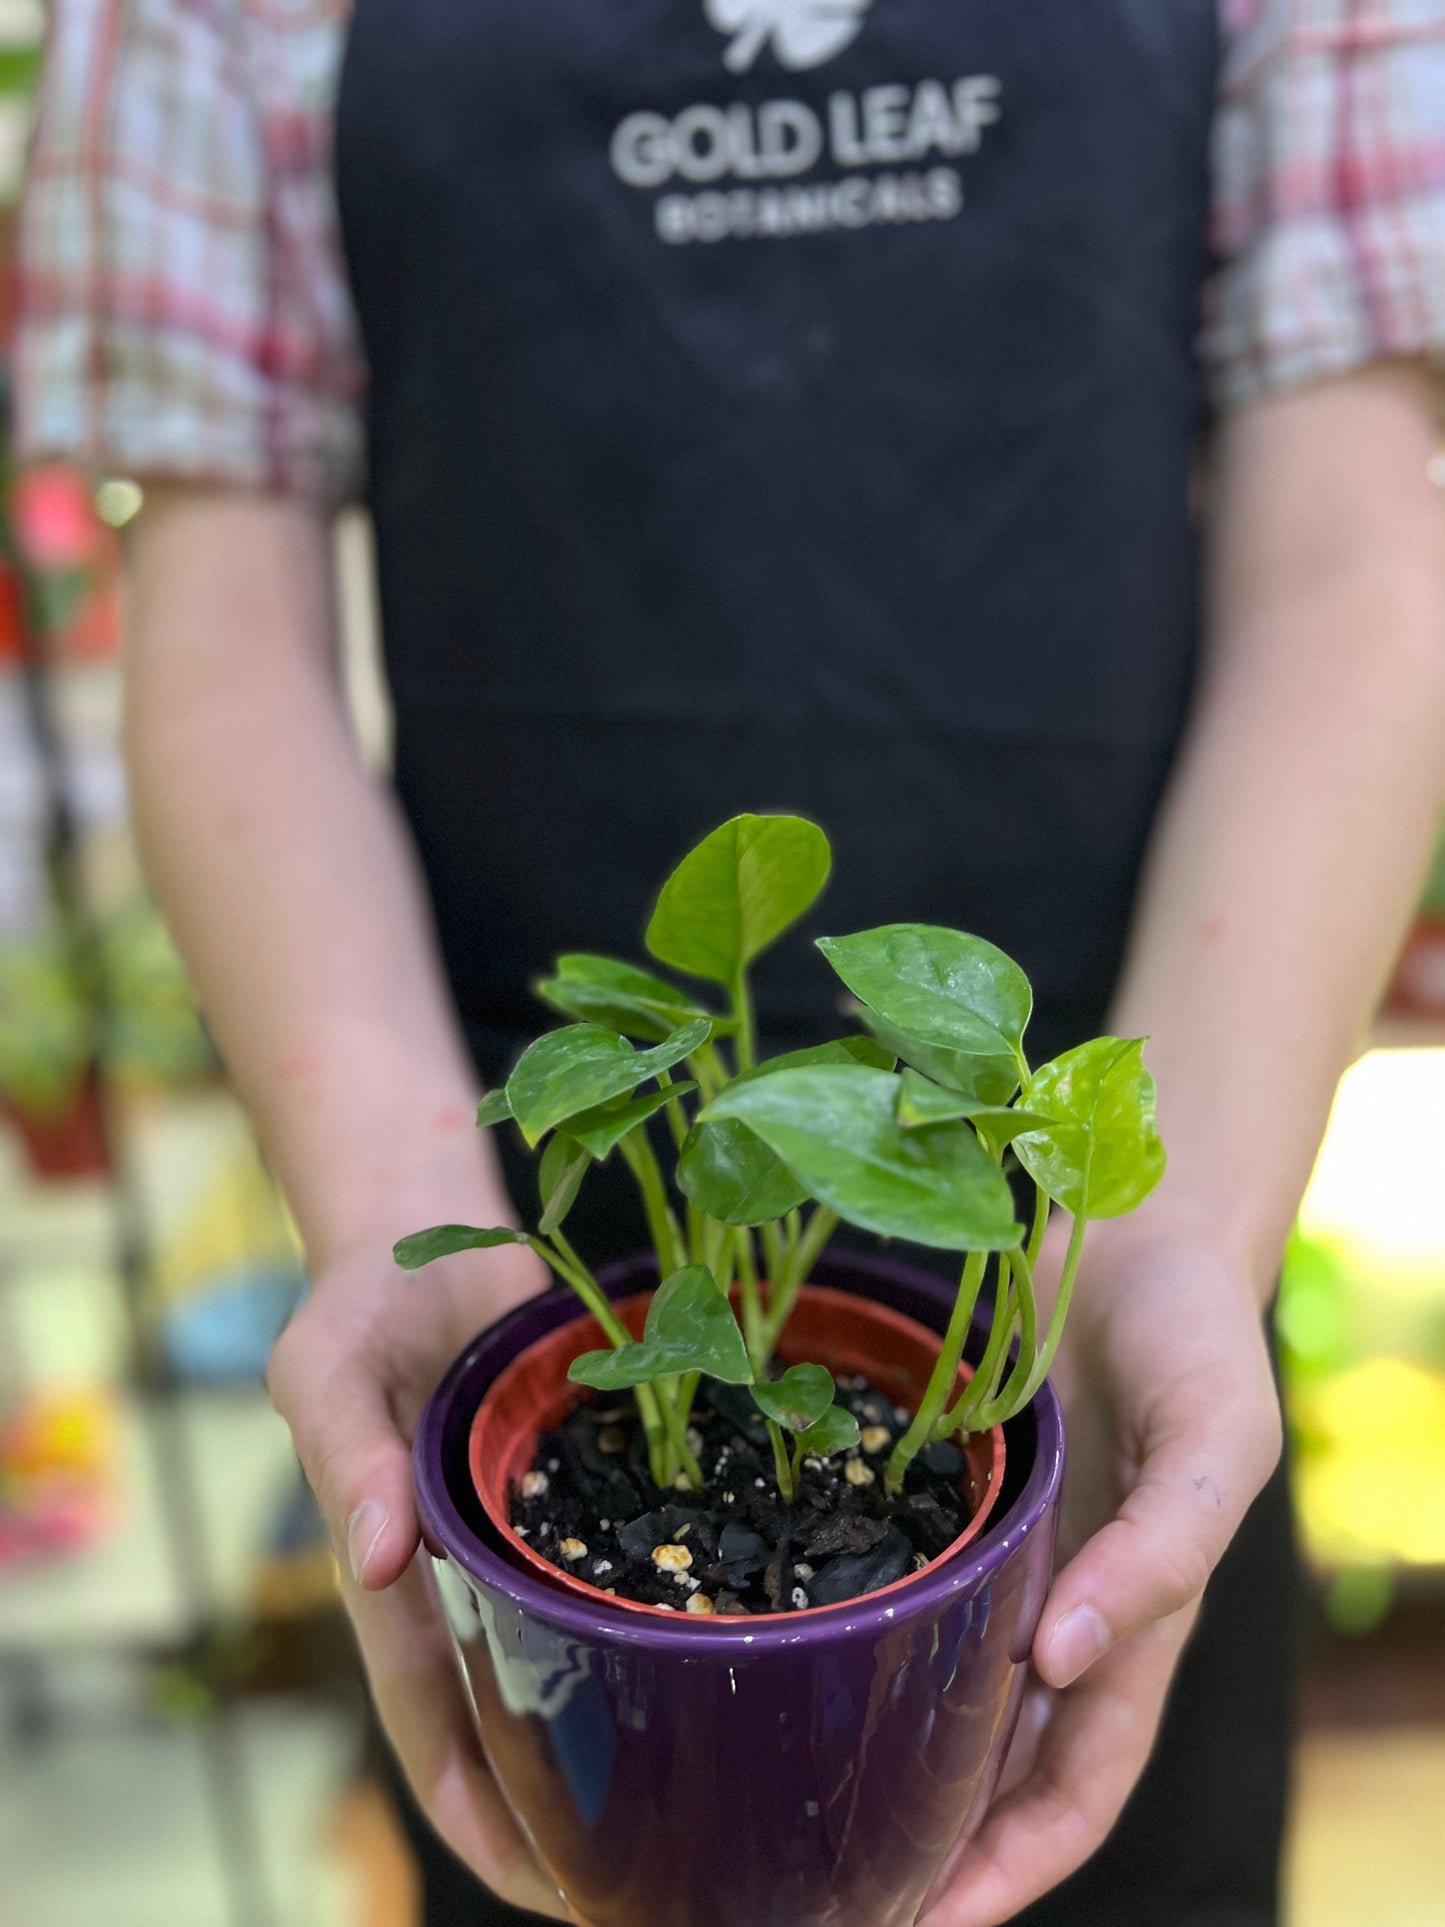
[{"x": 904, "y": 1132}]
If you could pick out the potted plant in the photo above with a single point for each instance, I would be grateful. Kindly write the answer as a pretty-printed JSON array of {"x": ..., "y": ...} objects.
[{"x": 744, "y": 1568}]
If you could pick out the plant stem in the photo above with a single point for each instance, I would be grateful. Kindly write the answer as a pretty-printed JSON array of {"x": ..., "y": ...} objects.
[
  {"x": 637, "y": 1149},
  {"x": 676, "y": 1111},
  {"x": 568, "y": 1266},
  {"x": 677, "y": 1438},
  {"x": 1040, "y": 1224},
  {"x": 754, "y": 1327},
  {"x": 743, "y": 1012},
  {"x": 945, "y": 1371},
  {"x": 821, "y": 1225},
  {"x": 994, "y": 1355},
  {"x": 1015, "y": 1397},
  {"x": 786, "y": 1483},
  {"x": 772, "y": 1258}
]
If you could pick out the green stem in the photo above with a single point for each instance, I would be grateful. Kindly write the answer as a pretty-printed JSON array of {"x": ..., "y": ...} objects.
[
  {"x": 754, "y": 1326},
  {"x": 995, "y": 1352},
  {"x": 677, "y": 1435},
  {"x": 821, "y": 1225},
  {"x": 945, "y": 1371},
  {"x": 1015, "y": 1397},
  {"x": 772, "y": 1257},
  {"x": 1040, "y": 1224},
  {"x": 743, "y": 1012},
  {"x": 563, "y": 1259},
  {"x": 786, "y": 1483},
  {"x": 641, "y": 1159},
  {"x": 676, "y": 1111}
]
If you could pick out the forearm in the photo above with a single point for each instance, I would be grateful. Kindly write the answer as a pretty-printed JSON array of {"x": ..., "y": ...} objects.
[
  {"x": 287, "y": 877},
  {"x": 1298, "y": 824}
]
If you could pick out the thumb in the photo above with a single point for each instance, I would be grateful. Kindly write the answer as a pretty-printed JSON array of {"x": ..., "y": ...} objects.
[
  {"x": 1155, "y": 1556},
  {"x": 356, "y": 1460}
]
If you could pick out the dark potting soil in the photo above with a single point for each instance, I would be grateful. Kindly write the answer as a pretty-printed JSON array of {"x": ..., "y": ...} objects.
[{"x": 590, "y": 1507}]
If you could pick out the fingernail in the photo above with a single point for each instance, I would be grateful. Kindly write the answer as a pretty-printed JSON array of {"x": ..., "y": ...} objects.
[
  {"x": 1079, "y": 1639},
  {"x": 363, "y": 1529}
]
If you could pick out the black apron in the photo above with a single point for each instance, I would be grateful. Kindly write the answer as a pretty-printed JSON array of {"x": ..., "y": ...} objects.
[{"x": 782, "y": 405}]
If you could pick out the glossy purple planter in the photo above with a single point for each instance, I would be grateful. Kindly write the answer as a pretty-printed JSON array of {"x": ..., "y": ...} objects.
[{"x": 736, "y": 1773}]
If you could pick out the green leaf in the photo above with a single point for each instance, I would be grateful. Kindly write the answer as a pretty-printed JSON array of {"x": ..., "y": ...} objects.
[
  {"x": 987, "y": 1080},
  {"x": 796, "y": 1400},
  {"x": 835, "y": 1431},
  {"x": 922, "y": 1102},
  {"x": 730, "y": 1173},
  {"x": 690, "y": 1328},
  {"x": 836, "y": 1128},
  {"x": 600, "y": 990},
  {"x": 736, "y": 893},
  {"x": 583, "y": 1065},
  {"x": 605, "y": 1125},
  {"x": 443, "y": 1239},
  {"x": 940, "y": 987},
  {"x": 495, "y": 1108},
  {"x": 1100, "y": 1154},
  {"x": 559, "y": 1175}
]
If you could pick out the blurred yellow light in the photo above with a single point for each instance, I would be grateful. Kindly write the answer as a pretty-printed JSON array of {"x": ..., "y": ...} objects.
[
  {"x": 1372, "y": 1485},
  {"x": 117, "y": 501},
  {"x": 1379, "y": 1176}
]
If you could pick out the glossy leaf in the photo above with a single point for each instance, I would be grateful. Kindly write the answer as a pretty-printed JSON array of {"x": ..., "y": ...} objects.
[
  {"x": 944, "y": 988},
  {"x": 985, "y": 1079},
  {"x": 443, "y": 1239},
  {"x": 560, "y": 1172},
  {"x": 835, "y": 1431},
  {"x": 736, "y": 893},
  {"x": 582, "y": 1066},
  {"x": 495, "y": 1108},
  {"x": 836, "y": 1128},
  {"x": 730, "y": 1173},
  {"x": 690, "y": 1328},
  {"x": 1100, "y": 1154},
  {"x": 922, "y": 1102},
  {"x": 601, "y": 1128},
  {"x": 796, "y": 1400},
  {"x": 602, "y": 990}
]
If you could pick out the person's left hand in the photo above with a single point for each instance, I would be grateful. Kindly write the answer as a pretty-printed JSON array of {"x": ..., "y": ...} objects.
[{"x": 1173, "y": 1427}]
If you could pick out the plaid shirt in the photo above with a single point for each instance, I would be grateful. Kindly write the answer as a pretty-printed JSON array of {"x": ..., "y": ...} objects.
[{"x": 185, "y": 312}]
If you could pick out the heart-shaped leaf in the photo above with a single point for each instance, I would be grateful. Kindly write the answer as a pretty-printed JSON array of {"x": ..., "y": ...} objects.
[
  {"x": 942, "y": 987},
  {"x": 560, "y": 1172},
  {"x": 796, "y": 1400},
  {"x": 601, "y": 990},
  {"x": 443, "y": 1239},
  {"x": 736, "y": 893},
  {"x": 582, "y": 1066},
  {"x": 690, "y": 1328},
  {"x": 984, "y": 1079},
  {"x": 922, "y": 1102},
  {"x": 836, "y": 1128},
  {"x": 1100, "y": 1154},
  {"x": 835, "y": 1431},
  {"x": 605, "y": 1125},
  {"x": 730, "y": 1173},
  {"x": 495, "y": 1108}
]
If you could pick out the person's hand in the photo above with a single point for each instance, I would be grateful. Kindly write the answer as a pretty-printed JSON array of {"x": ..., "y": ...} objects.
[
  {"x": 1173, "y": 1428},
  {"x": 350, "y": 1375}
]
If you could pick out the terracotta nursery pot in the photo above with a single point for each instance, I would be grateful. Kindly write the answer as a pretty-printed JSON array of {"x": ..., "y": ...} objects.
[
  {"x": 805, "y": 1769},
  {"x": 839, "y": 1329}
]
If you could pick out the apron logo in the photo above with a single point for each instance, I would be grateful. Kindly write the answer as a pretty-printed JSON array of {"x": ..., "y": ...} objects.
[{"x": 804, "y": 33}]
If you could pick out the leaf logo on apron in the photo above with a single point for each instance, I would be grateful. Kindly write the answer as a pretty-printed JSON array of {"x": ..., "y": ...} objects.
[{"x": 804, "y": 33}]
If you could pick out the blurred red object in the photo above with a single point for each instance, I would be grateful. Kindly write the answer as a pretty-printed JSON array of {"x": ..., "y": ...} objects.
[
  {"x": 67, "y": 1144},
  {"x": 56, "y": 523},
  {"x": 1417, "y": 988}
]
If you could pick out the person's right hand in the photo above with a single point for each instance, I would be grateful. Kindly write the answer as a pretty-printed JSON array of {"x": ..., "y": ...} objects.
[{"x": 350, "y": 1375}]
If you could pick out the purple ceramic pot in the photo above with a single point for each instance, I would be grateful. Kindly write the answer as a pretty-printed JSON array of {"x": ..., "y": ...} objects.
[{"x": 736, "y": 1773}]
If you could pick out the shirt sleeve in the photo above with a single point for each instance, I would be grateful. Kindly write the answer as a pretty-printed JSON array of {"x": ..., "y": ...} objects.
[
  {"x": 183, "y": 307},
  {"x": 1329, "y": 173}
]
